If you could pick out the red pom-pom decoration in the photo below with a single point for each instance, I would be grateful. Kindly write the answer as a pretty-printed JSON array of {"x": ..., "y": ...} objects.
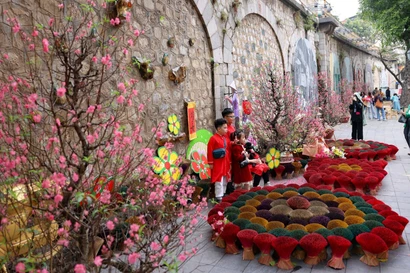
[
  {"x": 246, "y": 237},
  {"x": 339, "y": 246},
  {"x": 372, "y": 245},
  {"x": 284, "y": 246},
  {"x": 264, "y": 242},
  {"x": 313, "y": 244}
]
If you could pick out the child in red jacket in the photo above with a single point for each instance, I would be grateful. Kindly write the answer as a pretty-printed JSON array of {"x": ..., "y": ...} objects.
[
  {"x": 219, "y": 166},
  {"x": 241, "y": 164}
]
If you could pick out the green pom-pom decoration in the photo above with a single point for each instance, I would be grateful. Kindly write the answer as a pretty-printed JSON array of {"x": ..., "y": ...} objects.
[
  {"x": 231, "y": 216},
  {"x": 281, "y": 191},
  {"x": 242, "y": 223},
  {"x": 232, "y": 209},
  {"x": 305, "y": 189},
  {"x": 341, "y": 194},
  {"x": 244, "y": 197},
  {"x": 374, "y": 216},
  {"x": 357, "y": 229},
  {"x": 290, "y": 189},
  {"x": 258, "y": 228},
  {"x": 357, "y": 199},
  {"x": 344, "y": 232},
  {"x": 324, "y": 192},
  {"x": 239, "y": 204},
  {"x": 251, "y": 194},
  {"x": 325, "y": 232},
  {"x": 371, "y": 224},
  {"x": 279, "y": 232},
  {"x": 367, "y": 210},
  {"x": 262, "y": 192},
  {"x": 362, "y": 204},
  {"x": 298, "y": 234}
]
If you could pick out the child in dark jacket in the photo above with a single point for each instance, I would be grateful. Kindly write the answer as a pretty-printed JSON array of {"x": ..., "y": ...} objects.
[{"x": 259, "y": 171}]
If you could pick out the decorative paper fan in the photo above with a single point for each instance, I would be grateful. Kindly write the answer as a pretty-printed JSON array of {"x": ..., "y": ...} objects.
[
  {"x": 199, "y": 164},
  {"x": 199, "y": 143},
  {"x": 273, "y": 158},
  {"x": 165, "y": 166},
  {"x": 173, "y": 124}
]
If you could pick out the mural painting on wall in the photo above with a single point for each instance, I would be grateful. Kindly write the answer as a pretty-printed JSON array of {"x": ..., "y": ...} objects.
[
  {"x": 304, "y": 69},
  {"x": 347, "y": 71},
  {"x": 254, "y": 41},
  {"x": 358, "y": 73},
  {"x": 336, "y": 73},
  {"x": 368, "y": 76},
  {"x": 383, "y": 79}
]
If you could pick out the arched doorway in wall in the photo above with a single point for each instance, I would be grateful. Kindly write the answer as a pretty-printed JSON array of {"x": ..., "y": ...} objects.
[
  {"x": 254, "y": 42},
  {"x": 304, "y": 69}
]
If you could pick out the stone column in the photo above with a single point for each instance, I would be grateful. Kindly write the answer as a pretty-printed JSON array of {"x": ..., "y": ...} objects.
[{"x": 327, "y": 26}]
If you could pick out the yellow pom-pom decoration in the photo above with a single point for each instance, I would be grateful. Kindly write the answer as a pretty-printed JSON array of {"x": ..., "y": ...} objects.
[
  {"x": 289, "y": 194},
  {"x": 253, "y": 202},
  {"x": 248, "y": 208},
  {"x": 354, "y": 212},
  {"x": 335, "y": 223},
  {"x": 328, "y": 197},
  {"x": 313, "y": 227},
  {"x": 274, "y": 224},
  {"x": 295, "y": 227},
  {"x": 246, "y": 215},
  {"x": 345, "y": 206},
  {"x": 274, "y": 195},
  {"x": 311, "y": 194},
  {"x": 259, "y": 220},
  {"x": 353, "y": 219}
]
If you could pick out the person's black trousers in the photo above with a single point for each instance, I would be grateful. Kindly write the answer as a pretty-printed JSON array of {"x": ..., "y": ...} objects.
[{"x": 357, "y": 130}]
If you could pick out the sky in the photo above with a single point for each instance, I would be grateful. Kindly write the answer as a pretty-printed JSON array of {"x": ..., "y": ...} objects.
[{"x": 344, "y": 8}]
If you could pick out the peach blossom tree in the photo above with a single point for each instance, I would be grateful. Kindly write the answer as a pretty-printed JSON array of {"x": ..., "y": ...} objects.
[
  {"x": 282, "y": 117},
  {"x": 71, "y": 136}
]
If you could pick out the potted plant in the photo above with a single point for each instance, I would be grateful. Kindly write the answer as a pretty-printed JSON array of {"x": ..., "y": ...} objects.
[{"x": 144, "y": 67}]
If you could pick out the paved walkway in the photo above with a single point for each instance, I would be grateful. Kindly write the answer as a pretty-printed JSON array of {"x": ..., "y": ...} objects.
[{"x": 395, "y": 192}]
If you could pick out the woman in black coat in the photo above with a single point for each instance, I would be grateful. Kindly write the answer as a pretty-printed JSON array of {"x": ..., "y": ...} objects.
[{"x": 356, "y": 112}]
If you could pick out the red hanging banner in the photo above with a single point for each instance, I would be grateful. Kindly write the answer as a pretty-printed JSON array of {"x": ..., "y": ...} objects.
[{"x": 191, "y": 120}]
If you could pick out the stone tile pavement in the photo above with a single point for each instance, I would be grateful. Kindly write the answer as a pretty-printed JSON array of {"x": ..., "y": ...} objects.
[{"x": 395, "y": 192}]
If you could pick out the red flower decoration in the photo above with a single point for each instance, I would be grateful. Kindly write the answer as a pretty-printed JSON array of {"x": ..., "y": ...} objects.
[{"x": 200, "y": 165}]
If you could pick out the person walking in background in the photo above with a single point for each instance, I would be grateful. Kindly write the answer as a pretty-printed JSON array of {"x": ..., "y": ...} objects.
[
  {"x": 388, "y": 93},
  {"x": 368, "y": 103},
  {"x": 396, "y": 102},
  {"x": 218, "y": 159},
  {"x": 378, "y": 102},
  {"x": 406, "y": 130},
  {"x": 356, "y": 112}
]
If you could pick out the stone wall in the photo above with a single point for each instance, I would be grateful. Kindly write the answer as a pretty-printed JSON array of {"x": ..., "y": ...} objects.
[
  {"x": 162, "y": 20},
  {"x": 228, "y": 42},
  {"x": 365, "y": 66},
  {"x": 254, "y": 42}
]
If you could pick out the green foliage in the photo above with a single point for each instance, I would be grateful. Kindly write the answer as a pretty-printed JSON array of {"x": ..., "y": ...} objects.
[
  {"x": 389, "y": 16},
  {"x": 363, "y": 28},
  {"x": 309, "y": 22}
]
